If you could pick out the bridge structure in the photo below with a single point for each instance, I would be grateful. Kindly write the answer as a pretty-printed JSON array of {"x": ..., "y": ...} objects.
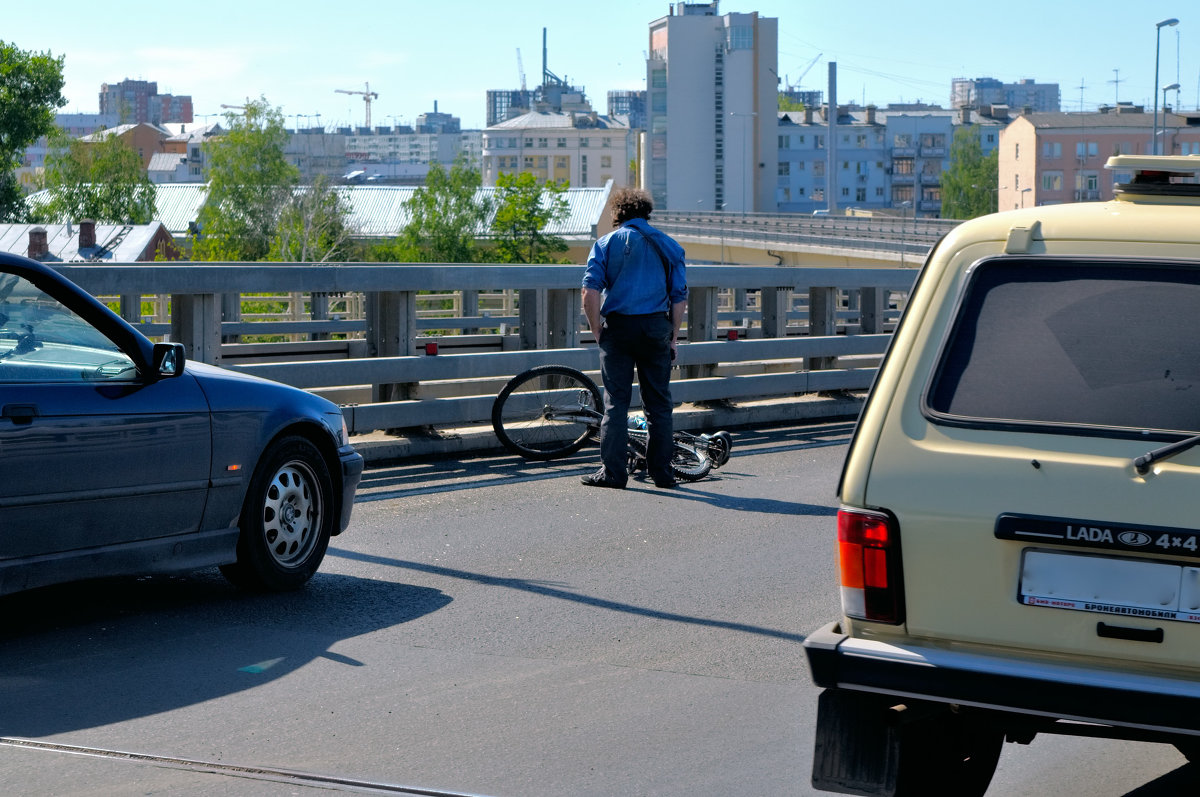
[{"x": 800, "y": 338}]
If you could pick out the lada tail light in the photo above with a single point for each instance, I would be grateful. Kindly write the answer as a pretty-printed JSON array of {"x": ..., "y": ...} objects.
[{"x": 869, "y": 565}]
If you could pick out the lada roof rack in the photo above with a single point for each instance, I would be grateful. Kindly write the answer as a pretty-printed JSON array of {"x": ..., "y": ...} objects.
[{"x": 1157, "y": 175}]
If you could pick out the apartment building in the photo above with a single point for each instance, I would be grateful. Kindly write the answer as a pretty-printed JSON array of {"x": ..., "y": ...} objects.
[
  {"x": 587, "y": 150},
  {"x": 138, "y": 101},
  {"x": 982, "y": 91},
  {"x": 860, "y": 176},
  {"x": 712, "y": 141},
  {"x": 1050, "y": 158}
]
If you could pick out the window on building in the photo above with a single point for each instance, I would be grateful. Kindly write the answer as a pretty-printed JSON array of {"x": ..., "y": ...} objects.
[
  {"x": 860, "y": 195},
  {"x": 584, "y": 142},
  {"x": 741, "y": 37},
  {"x": 560, "y": 142},
  {"x": 529, "y": 142},
  {"x": 819, "y": 142},
  {"x": 785, "y": 168},
  {"x": 818, "y": 168},
  {"x": 902, "y": 140},
  {"x": 1017, "y": 151},
  {"x": 799, "y": 166},
  {"x": 1052, "y": 181},
  {"x": 1052, "y": 149},
  {"x": 1093, "y": 149},
  {"x": 879, "y": 192},
  {"x": 543, "y": 143},
  {"x": 800, "y": 191},
  {"x": 606, "y": 142},
  {"x": 606, "y": 161},
  {"x": 784, "y": 142},
  {"x": 902, "y": 193},
  {"x": 845, "y": 192},
  {"x": 903, "y": 166},
  {"x": 861, "y": 141},
  {"x": 658, "y": 78}
]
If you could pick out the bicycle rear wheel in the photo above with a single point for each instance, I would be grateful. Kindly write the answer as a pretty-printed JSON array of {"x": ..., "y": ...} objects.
[
  {"x": 547, "y": 412},
  {"x": 689, "y": 459}
]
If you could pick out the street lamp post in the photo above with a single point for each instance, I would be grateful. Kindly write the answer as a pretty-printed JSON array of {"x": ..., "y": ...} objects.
[
  {"x": 1024, "y": 191},
  {"x": 1172, "y": 22},
  {"x": 1163, "y": 134}
]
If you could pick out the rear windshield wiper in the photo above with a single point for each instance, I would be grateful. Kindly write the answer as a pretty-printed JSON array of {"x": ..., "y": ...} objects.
[{"x": 1143, "y": 463}]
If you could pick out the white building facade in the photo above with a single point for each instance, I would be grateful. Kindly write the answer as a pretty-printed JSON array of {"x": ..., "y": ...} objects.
[
  {"x": 712, "y": 99},
  {"x": 585, "y": 149}
]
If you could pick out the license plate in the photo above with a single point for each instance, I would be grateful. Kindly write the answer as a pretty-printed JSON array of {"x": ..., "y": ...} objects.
[{"x": 1110, "y": 585}]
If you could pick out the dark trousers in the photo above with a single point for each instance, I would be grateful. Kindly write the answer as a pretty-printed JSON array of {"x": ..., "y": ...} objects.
[{"x": 642, "y": 342}]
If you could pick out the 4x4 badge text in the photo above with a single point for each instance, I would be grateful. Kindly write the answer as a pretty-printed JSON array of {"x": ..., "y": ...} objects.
[{"x": 1099, "y": 535}]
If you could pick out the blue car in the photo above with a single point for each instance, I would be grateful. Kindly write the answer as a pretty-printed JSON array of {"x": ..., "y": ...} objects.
[{"x": 118, "y": 456}]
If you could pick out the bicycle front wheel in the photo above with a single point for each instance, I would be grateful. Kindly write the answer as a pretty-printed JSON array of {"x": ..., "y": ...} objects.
[
  {"x": 547, "y": 412},
  {"x": 689, "y": 460}
]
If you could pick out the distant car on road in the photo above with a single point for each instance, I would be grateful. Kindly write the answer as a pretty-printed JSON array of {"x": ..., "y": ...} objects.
[{"x": 117, "y": 456}]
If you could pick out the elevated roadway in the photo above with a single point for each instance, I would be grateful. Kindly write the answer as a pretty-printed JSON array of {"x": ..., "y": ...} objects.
[{"x": 789, "y": 240}]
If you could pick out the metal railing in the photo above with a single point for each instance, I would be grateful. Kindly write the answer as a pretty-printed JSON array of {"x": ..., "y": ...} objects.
[{"x": 810, "y": 329}]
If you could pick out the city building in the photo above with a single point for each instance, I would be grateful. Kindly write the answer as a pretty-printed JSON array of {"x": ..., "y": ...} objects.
[
  {"x": 585, "y": 149},
  {"x": 630, "y": 104},
  {"x": 1050, "y": 158},
  {"x": 137, "y": 101},
  {"x": 143, "y": 138},
  {"x": 712, "y": 90},
  {"x": 861, "y": 173},
  {"x": 75, "y": 125},
  {"x": 434, "y": 122},
  {"x": 554, "y": 94},
  {"x": 981, "y": 91},
  {"x": 184, "y": 158}
]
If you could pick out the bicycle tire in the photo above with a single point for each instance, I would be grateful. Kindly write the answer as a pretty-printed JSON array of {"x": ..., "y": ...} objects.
[
  {"x": 689, "y": 461},
  {"x": 522, "y": 412}
]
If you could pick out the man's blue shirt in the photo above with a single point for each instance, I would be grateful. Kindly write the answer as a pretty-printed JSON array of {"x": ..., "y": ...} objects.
[{"x": 624, "y": 266}]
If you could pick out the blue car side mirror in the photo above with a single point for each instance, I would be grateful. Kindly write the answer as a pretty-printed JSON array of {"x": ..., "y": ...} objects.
[{"x": 168, "y": 360}]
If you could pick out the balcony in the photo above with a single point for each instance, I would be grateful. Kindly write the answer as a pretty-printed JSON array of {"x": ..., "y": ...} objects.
[
  {"x": 904, "y": 152},
  {"x": 933, "y": 152},
  {"x": 903, "y": 179},
  {"x": 1087, "y": 195},
  {"x": 931, "y": 179}
]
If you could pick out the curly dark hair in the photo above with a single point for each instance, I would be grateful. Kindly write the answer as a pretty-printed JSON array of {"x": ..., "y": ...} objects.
[{"x": 631, "y": 203}]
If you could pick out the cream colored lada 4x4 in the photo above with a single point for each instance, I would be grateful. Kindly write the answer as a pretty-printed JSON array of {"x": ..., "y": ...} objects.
[{"x": 1019, "y": 531}]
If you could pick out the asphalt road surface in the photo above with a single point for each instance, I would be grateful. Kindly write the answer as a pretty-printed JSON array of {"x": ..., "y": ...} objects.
[{"x": 489, "y": 627}]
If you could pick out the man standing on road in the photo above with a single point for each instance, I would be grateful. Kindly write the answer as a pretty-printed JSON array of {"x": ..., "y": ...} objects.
[{"x": 634, "y": 295}]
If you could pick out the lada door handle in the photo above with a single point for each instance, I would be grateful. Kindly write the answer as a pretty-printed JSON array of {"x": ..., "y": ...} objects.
[{"x": 20, "y": 414}]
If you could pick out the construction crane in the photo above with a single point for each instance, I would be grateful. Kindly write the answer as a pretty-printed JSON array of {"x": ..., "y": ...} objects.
[
  {"x": 804, "y": 72},
  {"x": 367, "y": 96}
]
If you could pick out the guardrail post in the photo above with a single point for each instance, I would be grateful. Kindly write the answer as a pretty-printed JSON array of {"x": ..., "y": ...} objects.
[
  {"x": 196, "y": 323},
  {"x": 822, "y": 320},
  {"x": 701, "y": 325},
  {"x": 871, "y": 312},
  {"x": 563, "y": 308},
  {"x": 231, "y": 310},
  {"x": 391, "y": 332},
  {"x": 318, "y": 310},
  {"x": 131, "y": 307},
  {"x": 532, "y": 309},
  {"x": 775, "y": 304},
  {"x": 470, "y": 307}
]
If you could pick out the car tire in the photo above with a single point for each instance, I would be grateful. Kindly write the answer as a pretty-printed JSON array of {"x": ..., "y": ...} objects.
[
  {"x": 950, "y": 754},
  {"x": 287, "y": 519}
]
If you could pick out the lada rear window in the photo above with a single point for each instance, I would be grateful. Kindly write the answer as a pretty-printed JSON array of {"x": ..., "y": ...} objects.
[{"x": 1073, "y": 344}]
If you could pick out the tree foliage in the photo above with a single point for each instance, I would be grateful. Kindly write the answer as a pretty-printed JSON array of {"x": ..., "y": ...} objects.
[
  {"x": 102, "y": 180},
  {"x": 970, "y": 185},
  {"x": 446, "y": 217},
  {"x": 786, "y": 103},
  {"x": 312, "y": 226},
  {"x": 250, "y": 184},
  {"x": 30, "y": 92},
  {"x": 524, "y": 209}
]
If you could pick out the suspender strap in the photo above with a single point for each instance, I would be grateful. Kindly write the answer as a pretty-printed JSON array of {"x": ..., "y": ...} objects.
[{"x": 666, "y": 265}]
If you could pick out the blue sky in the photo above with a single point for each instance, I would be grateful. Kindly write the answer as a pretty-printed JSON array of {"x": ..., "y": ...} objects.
[{"x": 412, "y": 53}]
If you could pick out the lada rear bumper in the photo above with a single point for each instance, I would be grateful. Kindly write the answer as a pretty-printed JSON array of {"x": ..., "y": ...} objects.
[{"x": 1170, "y": 704}]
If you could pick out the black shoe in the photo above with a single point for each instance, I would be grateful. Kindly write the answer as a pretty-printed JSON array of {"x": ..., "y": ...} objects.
[
  {"x": 665, "y": 482},
  {"x": 601, "y": 479}
]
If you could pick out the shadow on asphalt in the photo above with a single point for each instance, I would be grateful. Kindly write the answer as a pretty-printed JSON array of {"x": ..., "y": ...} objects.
[
  {"x": 93, "y": 653},
  {"x": 1185, "y": 780},
  {"x": 425, "y": 476},
  {"x": 553, "y": 590}
]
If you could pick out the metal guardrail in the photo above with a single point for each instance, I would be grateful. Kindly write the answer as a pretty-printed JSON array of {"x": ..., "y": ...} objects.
[{"x": 403, "y": 388}]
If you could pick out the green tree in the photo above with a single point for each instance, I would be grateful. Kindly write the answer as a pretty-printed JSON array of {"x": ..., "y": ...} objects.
[
  {"x": 250, "y": 183},
  {"x": 969, "y": 186},
  {"x": 101, "y": 180},
  {"x": 30, "y": 91},
  {"x": 312, "y": 226},
  {"x": 524, "y": 210},
  {"x": 786, "y": 103},
  {"x": 445, "y": 217}
]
